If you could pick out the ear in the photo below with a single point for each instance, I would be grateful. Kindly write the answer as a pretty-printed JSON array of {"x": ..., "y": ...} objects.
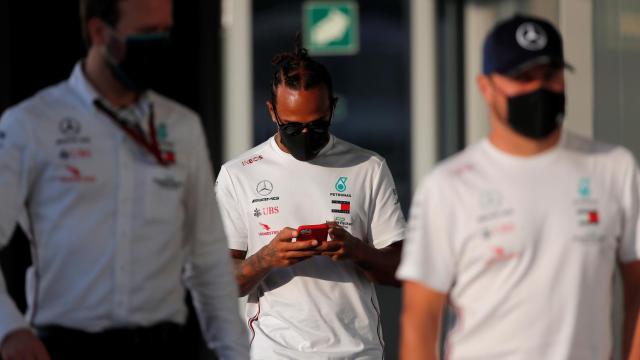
[
  {"x": 486, "y": 87},
  {"x": 271, "y": 112},
  {"x": 334, "y": 102},
  {"x": 98, "y": 32}
]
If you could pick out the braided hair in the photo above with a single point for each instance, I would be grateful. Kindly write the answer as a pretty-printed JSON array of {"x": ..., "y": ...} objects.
[{"x": 297, "y": 70}]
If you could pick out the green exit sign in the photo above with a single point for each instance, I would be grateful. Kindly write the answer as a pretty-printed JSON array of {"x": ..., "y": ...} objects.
[{"x": 331, "y": 27}]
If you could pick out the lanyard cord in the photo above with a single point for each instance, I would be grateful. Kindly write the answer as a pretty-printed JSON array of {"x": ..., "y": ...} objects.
[{"x": 137, "y": 135}]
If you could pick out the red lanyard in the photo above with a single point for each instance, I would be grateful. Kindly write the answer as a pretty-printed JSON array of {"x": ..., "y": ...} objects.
[{"x": 151, "y": 145}]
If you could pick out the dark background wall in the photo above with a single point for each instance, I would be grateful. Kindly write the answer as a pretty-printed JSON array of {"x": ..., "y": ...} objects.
[{"x": 39, "y": 44}]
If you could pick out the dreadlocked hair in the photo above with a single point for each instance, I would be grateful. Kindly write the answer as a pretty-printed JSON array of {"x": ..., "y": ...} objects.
[{"x": 297, "y": 70}]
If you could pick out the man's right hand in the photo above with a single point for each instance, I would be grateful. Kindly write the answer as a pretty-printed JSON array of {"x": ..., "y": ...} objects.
[
  {"x": 282, "y": 252},
  {"x": 279, "y": 253},
  {"x": 23, "y": 344}
]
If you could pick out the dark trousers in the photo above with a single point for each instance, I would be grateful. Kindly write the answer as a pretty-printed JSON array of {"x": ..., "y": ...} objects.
[{"x": 161, "y": 341}]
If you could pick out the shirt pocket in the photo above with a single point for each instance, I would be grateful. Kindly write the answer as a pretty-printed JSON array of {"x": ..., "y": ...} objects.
[{"x": 164, "y": 193}]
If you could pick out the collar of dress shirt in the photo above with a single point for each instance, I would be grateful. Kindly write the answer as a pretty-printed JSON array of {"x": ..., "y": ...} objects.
[{"x": 137, "y": 112}]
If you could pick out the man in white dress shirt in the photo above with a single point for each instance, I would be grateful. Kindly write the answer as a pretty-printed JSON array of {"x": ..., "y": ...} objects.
[{"x": 117, "y": 188}]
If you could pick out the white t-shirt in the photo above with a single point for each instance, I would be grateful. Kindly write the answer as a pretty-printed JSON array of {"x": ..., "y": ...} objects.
[
  {"x": 526, "y": 247},
  {"x": 316, "y": 309}
]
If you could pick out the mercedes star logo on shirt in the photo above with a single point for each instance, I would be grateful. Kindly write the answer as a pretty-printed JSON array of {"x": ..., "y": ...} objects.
[
  {"x": 264, "y": 188},
  {"x": 69, "y": 126}
]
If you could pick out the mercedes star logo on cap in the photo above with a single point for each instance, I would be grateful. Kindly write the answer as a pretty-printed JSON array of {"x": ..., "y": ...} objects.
[
  {"x": 264, "y": 188},
  {"x": 531, "y": 36}
]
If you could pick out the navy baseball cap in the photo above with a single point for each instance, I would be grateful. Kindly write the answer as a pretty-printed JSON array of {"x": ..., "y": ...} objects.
[{"x": 520, "y": 43}]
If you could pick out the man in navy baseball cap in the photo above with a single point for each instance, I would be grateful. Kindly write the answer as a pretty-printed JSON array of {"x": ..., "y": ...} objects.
[
  {"x": 522, "y": 231},
  {"x": 523, "y": 77},
  {"x": 520, "y": 43}
]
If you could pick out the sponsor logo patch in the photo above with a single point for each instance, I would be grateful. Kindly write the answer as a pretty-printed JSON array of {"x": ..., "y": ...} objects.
[
  {"x": 71, "y": 154},
  {"x": 268, "y": 231},
  {"x": 168, "y": 183},
  {"x": 501, "y": 255},
  {"x": 252, "y": 160},
  {"x": 274, "y": 198},
  {"x": 75, "y": 175},
  {"x": 341, "y": 184},
  {"x": 266, "y": 211},
  {"x": 341, "y": 207},
  {"x": 70, "y": 130},
  {"x": 264, "y": 188},
  {"x": 343, "y": 221},
  {"x": 588, "y": 217},
  {"x": 69, "y": 127}
]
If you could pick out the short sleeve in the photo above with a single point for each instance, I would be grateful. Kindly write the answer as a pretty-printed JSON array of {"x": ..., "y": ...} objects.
[
  {"x": 232, "y": 217},
  {"x": 387, "y": 222},
  {"x": 629, "y": 249},
  {"x": 427, "y": 254}
]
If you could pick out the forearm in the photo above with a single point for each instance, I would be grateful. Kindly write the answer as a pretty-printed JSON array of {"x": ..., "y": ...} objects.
[
  {"x": 631, "y": 330},
  {"x": 250, "y": 271},
  {"x": 419, "y": 338},
  {"x": 379, "y": 265},
  {"x": 10, "y": 317}
]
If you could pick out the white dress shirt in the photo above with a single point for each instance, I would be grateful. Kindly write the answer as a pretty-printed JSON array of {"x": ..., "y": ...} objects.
[{"x": 113, "y": 233}]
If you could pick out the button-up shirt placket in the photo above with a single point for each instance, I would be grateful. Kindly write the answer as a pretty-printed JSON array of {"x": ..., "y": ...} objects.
[{"x": 125, "y": 195}]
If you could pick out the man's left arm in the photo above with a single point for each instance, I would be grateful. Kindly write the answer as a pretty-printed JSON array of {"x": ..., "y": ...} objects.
[
  {"x": 378, "y": 265},
  {"x": 631, "y": 326},
  {"x": 629, "y": 259},
  {"x": 380, "y": 257},
  {"x": 209, "y": 274}
]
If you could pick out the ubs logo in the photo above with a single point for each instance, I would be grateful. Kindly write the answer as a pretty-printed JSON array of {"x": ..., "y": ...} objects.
[{"x": 264, "y": 188}]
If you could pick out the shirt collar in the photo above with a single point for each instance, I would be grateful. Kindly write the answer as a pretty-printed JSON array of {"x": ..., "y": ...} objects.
[
  {"x": 78, "y": 82},
  {"x": 88, "y": 94}
]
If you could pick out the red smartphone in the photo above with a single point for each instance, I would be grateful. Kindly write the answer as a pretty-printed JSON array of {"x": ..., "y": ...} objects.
[{"x": 310, "y": 232}]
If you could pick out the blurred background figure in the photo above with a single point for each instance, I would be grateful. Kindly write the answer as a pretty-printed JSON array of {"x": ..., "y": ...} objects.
[
  {"x": 522, "y": 232},
  {"x": 115, "y": 185},
  {"x": 405, "y": 72}
]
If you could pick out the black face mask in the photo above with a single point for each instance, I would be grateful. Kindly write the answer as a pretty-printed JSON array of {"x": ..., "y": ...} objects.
[
  {"x": 145, "y": 61},
  {"x": 536, "y": 114},
  {"x": 305, "y": 146}
]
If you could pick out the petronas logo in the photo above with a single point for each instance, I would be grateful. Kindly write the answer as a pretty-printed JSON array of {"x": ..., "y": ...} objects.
[{"x": 341, "y": 184}]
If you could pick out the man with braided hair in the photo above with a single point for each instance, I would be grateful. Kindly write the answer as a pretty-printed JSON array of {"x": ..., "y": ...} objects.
[{"x": 310, "y": 299}]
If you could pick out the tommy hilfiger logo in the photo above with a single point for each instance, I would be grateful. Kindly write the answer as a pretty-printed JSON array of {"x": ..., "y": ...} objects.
[
  {"x": 588, "y": 217},
  {"x": 341, "y": 207}
]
